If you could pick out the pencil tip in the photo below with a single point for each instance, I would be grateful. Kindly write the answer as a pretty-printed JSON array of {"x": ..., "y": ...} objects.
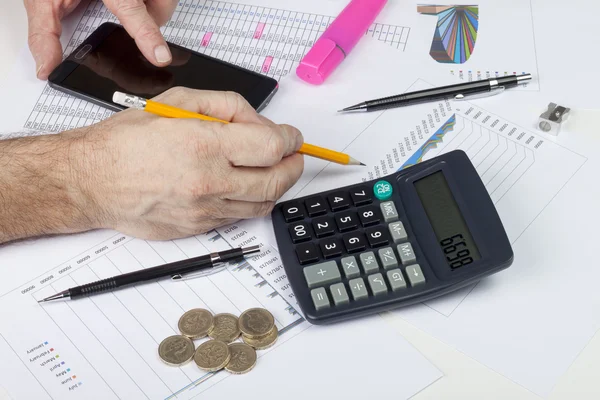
[{"x": 363, "y": 164}]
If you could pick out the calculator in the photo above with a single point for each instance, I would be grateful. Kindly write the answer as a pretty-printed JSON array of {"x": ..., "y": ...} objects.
[{"x": 411, "y": 236}]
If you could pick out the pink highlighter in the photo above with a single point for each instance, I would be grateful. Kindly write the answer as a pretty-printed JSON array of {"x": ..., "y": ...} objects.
[{"x": 338, "y": 40}]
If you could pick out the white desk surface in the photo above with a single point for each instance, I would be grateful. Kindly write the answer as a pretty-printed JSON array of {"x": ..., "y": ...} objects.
[{"x": 464, "y": 377}]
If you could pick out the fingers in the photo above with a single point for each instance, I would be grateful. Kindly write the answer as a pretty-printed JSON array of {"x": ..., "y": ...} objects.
[
  {"x": 266, "y": 184},
  {"x": 161, "y": 10},
  {"x": 227, "y": 106},
  {"x": 136, "y": 20},
  {"x": 258, "y": 145},
  {"x": 44, "y": 36}
]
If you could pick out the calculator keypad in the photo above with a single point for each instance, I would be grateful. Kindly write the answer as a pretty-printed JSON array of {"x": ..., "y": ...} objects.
[{"x": 352, "y": 247}]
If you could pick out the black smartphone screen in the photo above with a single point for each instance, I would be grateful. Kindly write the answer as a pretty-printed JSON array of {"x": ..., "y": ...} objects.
[{"x": 116, "y": 64}]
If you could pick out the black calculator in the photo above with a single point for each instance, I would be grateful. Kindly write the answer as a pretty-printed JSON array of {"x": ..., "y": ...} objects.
[{"x": 408, "y": 237}]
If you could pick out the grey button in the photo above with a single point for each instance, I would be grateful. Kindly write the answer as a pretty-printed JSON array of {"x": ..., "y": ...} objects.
[
  {"x": 407, "y": 255},
  {"x": 388, "y": 209},
  {"x": 369, "y": 262},
  {"x": 377, "y": 284},
  {"x": 321, "y": 274},
  {"x": 388, "y": 258},
  {"x": 358, "y": 289},
  {"x": 350, "y": 267},
  {"x": 396, "y": 279},
  {"x": 398, "y": 232},
  {"x": 320, "y": 299},
  {"x": 415, "y": 275},
  {"x": 339, "y": 294}
]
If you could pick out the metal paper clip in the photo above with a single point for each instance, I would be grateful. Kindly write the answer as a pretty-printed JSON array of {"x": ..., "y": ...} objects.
[
  {"x": 551, "y": 120},
  {"x": 210, "y": 271},
  {"x": 493, "y": 92}
]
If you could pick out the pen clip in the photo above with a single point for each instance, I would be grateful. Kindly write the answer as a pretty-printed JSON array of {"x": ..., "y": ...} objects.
[
  {"x": 493, "y": 92},
  {"x": 218, "y": 267}
]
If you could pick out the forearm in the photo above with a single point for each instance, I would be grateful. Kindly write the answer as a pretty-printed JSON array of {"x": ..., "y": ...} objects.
[{"x": 42, "y": 187}]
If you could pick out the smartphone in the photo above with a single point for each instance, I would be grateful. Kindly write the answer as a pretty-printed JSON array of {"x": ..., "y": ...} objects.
[{"x": 109, "y": 60}]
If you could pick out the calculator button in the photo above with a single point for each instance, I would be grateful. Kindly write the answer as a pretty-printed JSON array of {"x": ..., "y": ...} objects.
[
  {"x": 407, "y": 254},
  {"x": 322, "y": 273},
  {"x": 338, "y": 201},
  {"x": 398, "y": 232},
  {"x": 388, "y": 209},
  {"x": 355, "y": 242},
  {"x": 377, "y": 284},
  {"x": 300, "y": 232},
  {"x": 361, "y": 195},
  {"x": 382, "y": 190},
  {"x": 315, "y": 206},
  {"x": 370, "y": 215},
  {"x": 346, "y": 221},
  {"x": 388, "y": 258},
  {"x": 415, "y": 275},
  {"x": 323, "y": 226},
  {"x": 369, "y": 262},
  {"x": 339, "y": 294},
  {"x": 307, "y": 253},
  {"x": 377, "y": 236},
  {"x": 331, "y": 247},
  {"x": 320, "y": 299},
  {"x": 350, "y": 267},
  {"x": 293, "y": 212},
  {"x": 358, "y": 289},
  {"x": 396, "y": 279}
]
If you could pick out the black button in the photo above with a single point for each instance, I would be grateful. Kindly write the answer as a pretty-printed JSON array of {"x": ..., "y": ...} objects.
[
  {"x": 355, "y": 241},
  {"x": 370, "y": 215},
  {"x": 307, "y": 253},
  {"x": 377, "y": 236},
  {"x": 346, "y": 221},
  {"x": 331, "y": 247},
  {"x": 323, "y": 226},
  {"x": 292, "y": 211},
  {"x": 300, "y": 232},
  {"x": 338, "y": 201},
  {"x": 315, "y": 206},
  {"x": 361, "y": 195}
]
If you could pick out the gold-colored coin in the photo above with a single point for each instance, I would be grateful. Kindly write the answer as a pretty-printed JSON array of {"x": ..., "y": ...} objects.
[
  {"x": 176, "y": 350},
  {"x": 225, "y": 328},
  {"x": 196, "y": 323},
  {"x": 264, "y": 342},
  {"x": 256, "y": 323},
  {"x": 243, "y": 358},
  {"x": 212, "y": 355}
]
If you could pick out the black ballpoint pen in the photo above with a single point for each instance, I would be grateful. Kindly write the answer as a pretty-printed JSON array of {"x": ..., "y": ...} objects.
[
  {"x": 459, "y": 91},
  {"x": 176, "y": 270}
]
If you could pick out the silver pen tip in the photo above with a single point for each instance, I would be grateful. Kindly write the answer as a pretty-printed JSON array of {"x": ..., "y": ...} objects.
[
  {"x": 524, "y": 77},
  {"x": 250, "y": 249}
]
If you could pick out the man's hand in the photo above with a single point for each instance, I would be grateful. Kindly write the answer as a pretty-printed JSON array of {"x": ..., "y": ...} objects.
[
  {"x": 148, "y": 176},
  {"x": 141, "y": 19}
]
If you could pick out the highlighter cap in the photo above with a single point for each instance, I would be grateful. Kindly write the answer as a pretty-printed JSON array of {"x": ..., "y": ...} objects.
[{"x": 321, "y": 60}]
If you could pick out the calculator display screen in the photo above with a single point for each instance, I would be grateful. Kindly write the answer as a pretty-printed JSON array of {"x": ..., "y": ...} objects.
[{"x": 447, "y": 221}]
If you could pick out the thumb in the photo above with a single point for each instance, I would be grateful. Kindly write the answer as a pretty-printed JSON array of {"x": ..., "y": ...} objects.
[
  {"x": 136, "y": 20},
  {"x": 44, "y": 36}
]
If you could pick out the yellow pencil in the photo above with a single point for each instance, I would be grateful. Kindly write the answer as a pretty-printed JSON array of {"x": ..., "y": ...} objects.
[{"x": 167, "y": 111}]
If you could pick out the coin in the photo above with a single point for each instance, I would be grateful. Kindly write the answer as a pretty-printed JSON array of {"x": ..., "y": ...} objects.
[
  {"x": 176, "y": 350},
  {"x": 212, "y": 355},
  {"x": 256, "y": 323},
  {"x": 196, "y": 323},
  {"x": 264, "y": 342},
  {"x": 243, "y": 358},
  {"x": 225, "y": 328}
]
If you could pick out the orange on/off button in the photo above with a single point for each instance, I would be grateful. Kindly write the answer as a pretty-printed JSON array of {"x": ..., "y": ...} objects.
[{"x": 83, "y": 51}]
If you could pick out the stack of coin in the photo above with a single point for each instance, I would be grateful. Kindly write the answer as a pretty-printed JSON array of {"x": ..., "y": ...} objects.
[
  {"x": 258, "y": 329},
  {"x": 221, "y": 351}
]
